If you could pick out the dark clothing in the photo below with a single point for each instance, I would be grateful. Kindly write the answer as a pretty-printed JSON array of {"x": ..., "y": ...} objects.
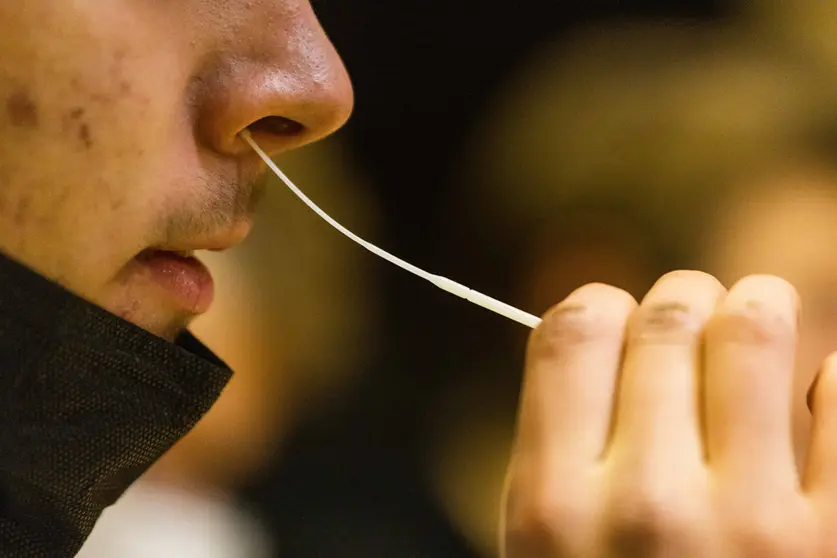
[{"x": 88, "y": 402}]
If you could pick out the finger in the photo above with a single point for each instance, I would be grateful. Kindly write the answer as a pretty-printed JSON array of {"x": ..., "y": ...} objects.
[
  {"x": 658, "y": 415},
  {"x": 821, "y": 471},
  {"x": 750, "y": 346},
  {"x": 572, "y": 364}
]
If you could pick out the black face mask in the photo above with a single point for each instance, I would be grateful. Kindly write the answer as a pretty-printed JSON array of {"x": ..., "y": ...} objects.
[{"x": 88, "y": 402}]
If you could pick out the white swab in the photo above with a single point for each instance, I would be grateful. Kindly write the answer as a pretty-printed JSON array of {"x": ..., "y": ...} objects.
[{"x": 442, "y": 282}]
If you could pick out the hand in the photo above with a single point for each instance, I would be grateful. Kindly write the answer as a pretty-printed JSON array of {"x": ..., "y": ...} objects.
[{"x": 664, "y": 429}]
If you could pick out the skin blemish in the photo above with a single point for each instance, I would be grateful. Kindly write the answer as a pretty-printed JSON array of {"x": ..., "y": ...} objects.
[
  {"x": 71, "y": 121},
  {"x": 84, "y": 136},
  {"x": 117, "y": 203},
  {"x": 22, "y": 110}
]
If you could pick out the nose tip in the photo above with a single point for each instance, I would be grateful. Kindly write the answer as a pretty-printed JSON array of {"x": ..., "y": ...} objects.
[
  {"x": 297, "y": 96},
  {"x": 304, "y": 116}
]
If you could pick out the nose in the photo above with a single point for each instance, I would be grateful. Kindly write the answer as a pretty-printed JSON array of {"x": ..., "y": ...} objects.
[{"x": 281, "y": 78}]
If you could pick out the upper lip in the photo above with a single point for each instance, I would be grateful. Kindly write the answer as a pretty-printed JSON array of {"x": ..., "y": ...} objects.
[
  {"x": 248, "y": 169},
  {"x": 216, "y": 242}
]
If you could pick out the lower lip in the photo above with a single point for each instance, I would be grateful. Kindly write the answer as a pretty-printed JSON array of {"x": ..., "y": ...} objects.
[{"x": 185, "y": 279}]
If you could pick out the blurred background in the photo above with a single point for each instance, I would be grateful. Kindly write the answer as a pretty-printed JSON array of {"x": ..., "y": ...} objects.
[{"x": 522, "y": 149}]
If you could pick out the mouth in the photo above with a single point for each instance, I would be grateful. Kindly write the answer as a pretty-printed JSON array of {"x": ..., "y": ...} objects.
[
  {"x": 186, "y": 281},
  {"x": 183, "y": 278}
]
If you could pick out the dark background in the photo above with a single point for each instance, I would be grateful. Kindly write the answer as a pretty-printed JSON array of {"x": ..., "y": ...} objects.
[{"x": 348, "y": 484}]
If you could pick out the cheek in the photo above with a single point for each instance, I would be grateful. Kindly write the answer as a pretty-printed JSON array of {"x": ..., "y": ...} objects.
[{"x": 87, "y": 147}]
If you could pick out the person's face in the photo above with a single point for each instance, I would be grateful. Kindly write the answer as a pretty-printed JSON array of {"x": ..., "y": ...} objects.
[
  {"x": 119, "y": 125},
  {"x": 790, "y": 232}
]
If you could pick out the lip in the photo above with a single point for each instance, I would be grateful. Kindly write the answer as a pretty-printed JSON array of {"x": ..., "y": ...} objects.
[
  {"x": 185, "y": 279},
  {"x": 214, "y": 243}
]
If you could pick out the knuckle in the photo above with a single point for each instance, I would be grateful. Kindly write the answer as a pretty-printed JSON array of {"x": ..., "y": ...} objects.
[
  {"x": 542, "y": 519},
  {"x": 595, "y": 311},
  {"x": 572, "y": 322},
  {"x": 769, "y": 532},
  {"x": 691, "y": 276},
  {"x": 769, "y": 283},
  {"x": 643, "y": 523},
  {"x": 759, "y": 310},
  {"x": 666, "y": 319},
  {"x": 755, "y": 322}
]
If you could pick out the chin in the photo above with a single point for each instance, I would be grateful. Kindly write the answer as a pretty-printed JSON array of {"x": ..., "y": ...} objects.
[
  {"x": 172, "y": 333},
  {"x": 162, "y": 324},
  {"x": 168, "y": 330}
]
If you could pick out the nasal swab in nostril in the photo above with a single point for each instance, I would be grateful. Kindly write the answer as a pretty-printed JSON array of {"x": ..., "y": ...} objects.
[{"x": 442, "y": 282}]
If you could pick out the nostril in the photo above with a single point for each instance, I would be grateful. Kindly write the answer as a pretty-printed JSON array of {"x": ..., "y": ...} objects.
[{"x": 276, "y": 126}]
